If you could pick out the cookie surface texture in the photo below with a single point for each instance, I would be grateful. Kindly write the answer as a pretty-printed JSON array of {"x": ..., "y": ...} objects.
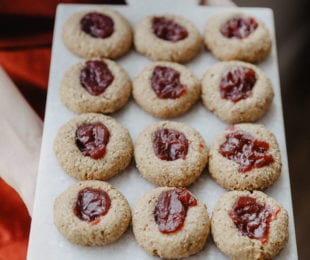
[
  {"x": 173, "y": 138},
  {"x": 250, "y": 99},
  {"x": 167, "y": 47},
  {"x": 172, "y": 77},
  {"x": 252, "y": 47},
  {"x": 90, "y": 45},
  {"x": 242, "y": 171},
  {"x": 233, "y": 243},
  {"x": 104, "y": 229},
  {"x": 185, "y": 242},
  {"x": 115, "y": 154}
]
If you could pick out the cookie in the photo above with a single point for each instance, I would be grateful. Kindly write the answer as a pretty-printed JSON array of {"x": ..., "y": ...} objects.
[
  {"x": 236, "y": 91},
  {"x": 170, "y": 223},
  {"x": 245, "y": 157},
  {"x": 98, "y": 85},
  {"x": 101, "y": 32},
  {"x": 237, "y": 36},
  {"x": 93, "y": 146},
  {"x": 170, "y": 154},
  {"x": 249, "y": 225},
  {"x": 166, "y": 89},
  {"x": 167, "y": 38},
  {"x": 91, "y": 213}
]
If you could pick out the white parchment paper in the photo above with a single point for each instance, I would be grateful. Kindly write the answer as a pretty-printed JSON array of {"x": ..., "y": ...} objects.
[{"x": 45, "y": 240}]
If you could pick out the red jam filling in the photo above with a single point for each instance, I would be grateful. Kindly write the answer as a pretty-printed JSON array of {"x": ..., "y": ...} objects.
[
  {"x": 170, "y": 145},
  {"x": 97, "y": 25},
  {"x": 91, "y": 204},
  {"x": 252, "y": 218},
  {"x": 237, "y": 83},
  {"x": 168, "y": 30},
  {"x": 245, "y": 150},
  {"x": 95, "y": 77},
  {"x": 171, "y": 209},
  {"x": 166, "y": 84},
  {"x": 239, "y": 27},
  {"x": 91, "y": 139}
]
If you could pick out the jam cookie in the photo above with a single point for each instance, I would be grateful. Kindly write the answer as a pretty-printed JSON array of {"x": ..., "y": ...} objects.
[
  {"x": 166, "y": 89},
  {"x": 236, "y": 91},
  {"x": 91, "y": 213},
  {"x": 167, "y": 37},
  {"x": 249, "y": 225},
  {"x": 245, "y": 157},
  {"x": 170, "y": 223},
  {"x": 95, "y": 86},
  {"x": 97, "y": 33},
  {"x": 170, "y": 154},
  {"x": 237, "y": 36},
  {"x": 93, "y": 146}
]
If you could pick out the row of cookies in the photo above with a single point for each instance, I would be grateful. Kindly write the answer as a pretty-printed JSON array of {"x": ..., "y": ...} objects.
[
  {"x": 106, "y": 33},
  {"x": 235, "y": 91}
]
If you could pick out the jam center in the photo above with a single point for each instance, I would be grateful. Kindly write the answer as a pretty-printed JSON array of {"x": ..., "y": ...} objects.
[
  {"x": 166, "y": 84},
  {"x": 239, "y": 27},
  {"x": 95, "y": 77},
  {"x": 168, "y": 30},
  {"x": 252, "y": 218},
  {"x": 97, "y": 25},
  {"x": 91, "y": 139},
  {"x": 237, "y": 83},
  {"x": 170, "y": 145},
  {"x": 91, "y": 204},
  {"x": 171, "y": 209},
  {"x": 245, "y": 150}
]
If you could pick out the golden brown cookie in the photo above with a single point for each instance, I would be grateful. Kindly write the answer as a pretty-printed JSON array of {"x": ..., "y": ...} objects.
[
  {"x": 236, "y": 91},
  {"x": 176, "y": 231},
  {"x": 91, "y": 213},
  {"x": 245, "y": 157},
  {"x": 93, "y": 146},
  {"x": 166, "y": 89},
  {"x": 167, "y": 37},
  {"x": 249, "y": 225},
  {"x": 237, "y": 36},
  {"x": 98, "y": 85},
  {"x": 101, "y": 32},
  {"x": 170, "y": 154}
]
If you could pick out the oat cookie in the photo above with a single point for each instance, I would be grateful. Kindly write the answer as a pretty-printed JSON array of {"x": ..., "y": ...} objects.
[
  {"x": 170, "y": 154},
  {"x": 165, "y": 234},
  {"x": 91, "y": 213},
  {"x": 249, "y": 225},
  {"x": 93, "y": 146},
  {"x": 101, "y": 32},
  {"x": 98, "y": 85},
  {"x": 166, "y": 89},
  {"x": 237, "y": 36},
  {"x": 167, "y": 37},
  {"x": 236, "y": 91},
  {"x": 245, "y": 157}
]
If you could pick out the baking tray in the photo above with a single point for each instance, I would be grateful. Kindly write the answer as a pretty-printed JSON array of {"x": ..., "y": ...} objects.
[{"x": 45, "y": 240}]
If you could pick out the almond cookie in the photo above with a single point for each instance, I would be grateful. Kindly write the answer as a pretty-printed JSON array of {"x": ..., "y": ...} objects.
[
  {"x": 101, "y": 32},
  {"x": 236, "y": 91},
  {"x": 95, "y": 86},
  {"x": 91, "y": 213},
  {"x": 237, "y": 36},
  {"x": 167, "y": 37},
  {"x": 245, "y": 157},
  {"x": 249, "y": 225},
  {"x": 170, "y": 223},
  {"x": 93, "y": 146},
  {"x": 170, "y": 154},
  {"x": 166, "y": 89}
]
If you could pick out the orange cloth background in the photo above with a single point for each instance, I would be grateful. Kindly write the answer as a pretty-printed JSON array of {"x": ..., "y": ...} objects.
[{"x": 26, "y": 28}]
